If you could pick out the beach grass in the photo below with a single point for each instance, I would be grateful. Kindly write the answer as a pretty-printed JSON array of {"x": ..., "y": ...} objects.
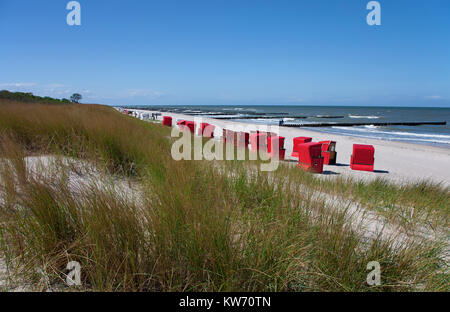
[
  {"x": 409, "y": 203},
  {"x": 193, "y": 225}
]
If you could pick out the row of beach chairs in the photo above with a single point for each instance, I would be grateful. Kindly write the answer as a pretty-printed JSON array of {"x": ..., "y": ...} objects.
[
  {"x": 141, "y": 115},
  {"x": 312, "y": 156}
]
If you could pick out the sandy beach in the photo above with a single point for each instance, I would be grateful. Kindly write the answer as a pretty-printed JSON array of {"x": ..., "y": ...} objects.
[{"x": 396, "y": 161}]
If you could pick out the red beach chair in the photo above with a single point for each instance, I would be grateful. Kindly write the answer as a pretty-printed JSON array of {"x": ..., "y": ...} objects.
[
  {"x": 310, "y": 157},
  {"x": 181, "y": 124},
  {"x": 258, "y": 141},
  {"x": 242, "y": 139},
  {"x": 275, "y": 147},
  {"x": 201, "y": 128},
  {"x": 297, "y": 142},
  {"x": 230, "y": 137},
  {"x": 224, "y": 135},
  {"x": 236, "y": 136},
  {"x": 191, "y": 126},
  {"x": 329, "y": 152},
  {"x": 167, "y": 121},
  {"x": 227, "y": 136},
  {"x": 206, "y": 130},
  {"x": 362, "y": 157}
]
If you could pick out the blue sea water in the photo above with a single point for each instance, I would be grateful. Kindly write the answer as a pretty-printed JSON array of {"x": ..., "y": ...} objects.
[{"x": 425, "y": 134}]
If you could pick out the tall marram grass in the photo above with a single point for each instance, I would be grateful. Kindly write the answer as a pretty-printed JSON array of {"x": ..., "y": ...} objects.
[
  {"x": 193, "y": 225},
  {"x": 409, "y": 204}
]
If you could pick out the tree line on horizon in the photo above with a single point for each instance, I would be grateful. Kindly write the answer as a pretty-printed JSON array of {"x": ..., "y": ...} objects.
[{"x": 28, "y": 97}]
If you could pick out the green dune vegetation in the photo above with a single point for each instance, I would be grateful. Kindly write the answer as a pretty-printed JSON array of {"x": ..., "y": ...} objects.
[
  {"x": 86, "y": 183},
  {"x": 28, "y": 97}
]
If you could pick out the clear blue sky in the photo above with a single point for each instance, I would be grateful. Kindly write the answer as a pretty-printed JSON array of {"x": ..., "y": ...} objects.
[{"x": 229, "y": 52}]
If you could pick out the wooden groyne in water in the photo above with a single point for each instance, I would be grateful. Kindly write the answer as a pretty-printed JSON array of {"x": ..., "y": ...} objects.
[
  {"x": 355, "y": 124},
  {"x": 234, "y": 116},
  {"x": 258, "y": 117}
]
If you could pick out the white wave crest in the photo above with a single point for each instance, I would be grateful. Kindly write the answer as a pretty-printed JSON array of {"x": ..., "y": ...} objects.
[{"x": 365, "y": 117}]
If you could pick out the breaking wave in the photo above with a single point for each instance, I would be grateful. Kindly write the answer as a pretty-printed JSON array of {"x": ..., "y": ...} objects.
[
  {"x": 376, "y": 133},
  {"x": 363, "y": 117}
]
